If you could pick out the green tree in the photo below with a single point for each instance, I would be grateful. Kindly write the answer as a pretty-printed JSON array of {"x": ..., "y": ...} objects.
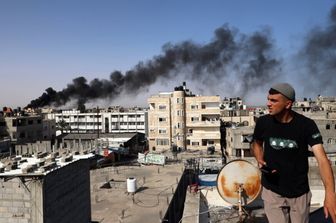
[{"x": 62, "y": 125}]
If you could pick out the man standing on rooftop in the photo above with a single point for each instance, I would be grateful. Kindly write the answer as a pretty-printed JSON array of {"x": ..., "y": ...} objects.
[{"x": 280, "y": 146}]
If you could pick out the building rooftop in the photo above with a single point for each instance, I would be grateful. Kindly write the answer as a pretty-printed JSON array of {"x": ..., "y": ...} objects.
[
  {"x": 156, "y": 185},
  {"x": 95, "y": 135},
  {"x": 37, "y": 165},
  {"x": 110, "y": 201}
]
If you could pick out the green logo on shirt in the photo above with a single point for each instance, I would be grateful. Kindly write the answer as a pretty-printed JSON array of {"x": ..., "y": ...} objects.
[
  {"x": 317, "y": 135},
  {"x": 278, "y": 143}
]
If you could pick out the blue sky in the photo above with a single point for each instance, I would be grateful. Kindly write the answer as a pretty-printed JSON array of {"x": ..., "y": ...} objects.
[{"x": 48, "y": 43}]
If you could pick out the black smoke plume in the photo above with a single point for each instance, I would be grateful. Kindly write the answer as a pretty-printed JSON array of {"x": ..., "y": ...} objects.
[
  {"x": 319, "y": 57},
  {"x": 247, "y": 59}
]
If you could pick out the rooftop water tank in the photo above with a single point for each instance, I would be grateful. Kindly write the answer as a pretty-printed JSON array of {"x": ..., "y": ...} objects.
[{"x": 131, "y": 185}]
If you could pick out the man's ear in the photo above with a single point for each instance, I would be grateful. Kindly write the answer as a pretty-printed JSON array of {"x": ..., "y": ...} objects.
[{"x": 289, "y": 104}]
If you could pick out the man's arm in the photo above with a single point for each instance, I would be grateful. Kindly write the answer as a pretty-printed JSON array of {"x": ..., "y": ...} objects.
[
  {"x": 258, "y": 152},
  {"x": 328, "y": 181}
]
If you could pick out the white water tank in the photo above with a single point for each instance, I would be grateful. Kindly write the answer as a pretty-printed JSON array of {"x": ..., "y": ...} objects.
[{"x": 131, "y": 185}]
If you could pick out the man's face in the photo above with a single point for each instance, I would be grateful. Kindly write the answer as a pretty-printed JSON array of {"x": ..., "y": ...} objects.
[{"x": 277, "y": 103}]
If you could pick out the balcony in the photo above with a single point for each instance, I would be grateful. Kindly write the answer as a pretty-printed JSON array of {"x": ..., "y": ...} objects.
[{"x": 204, "y": 124}]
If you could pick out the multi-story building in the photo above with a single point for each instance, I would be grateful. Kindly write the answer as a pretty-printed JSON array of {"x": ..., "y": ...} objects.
[
  {"x": 116, "y": 120},
  {"x": 23, "y": 129},
  {"x": 326, "y": 103},
  {"x": 235, "y": 112},
  {"x": 182, "y": 120},
  {"x": 18, "y": 128},
  {"x": 322, "y": 111},
  {"x": 238, "y": 141}
]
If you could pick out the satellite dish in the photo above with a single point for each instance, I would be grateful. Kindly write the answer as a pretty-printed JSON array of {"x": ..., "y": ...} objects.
[{"x": 239, "y": 182}]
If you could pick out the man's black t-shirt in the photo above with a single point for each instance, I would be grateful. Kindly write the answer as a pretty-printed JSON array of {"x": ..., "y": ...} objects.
[{"x": 286, "y": 151}]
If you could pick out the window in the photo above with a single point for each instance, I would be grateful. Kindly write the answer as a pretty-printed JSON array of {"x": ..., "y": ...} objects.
[
  {"x": 162, "y": 119},
  {"x": 30, "y": 122},
  {"x": 194, "y": 107},
  {"x": 22, "y": 135},
  {"x": 179, "y": 100},
  {"x": 238, "y": 152},
  {"x": 162, "y": 142},
  {"x": 39, "y": 121},
  {"x": 162, "y": 107},
  {"x": 194, "y": 119},
  {"x": 328, "y": 126},
  {"x": 180, "y": 125},
  {"x": 21, "y": 122},
  {"x": 195, "y": 143},
  {"x": 179, "y": 112},
  {"x": 162, "y": 131}
]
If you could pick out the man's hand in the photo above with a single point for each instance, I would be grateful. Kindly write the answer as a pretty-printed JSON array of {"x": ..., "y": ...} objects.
[
  {"x": 330, "y": 206},
  {"x": 327, "y": 177}
]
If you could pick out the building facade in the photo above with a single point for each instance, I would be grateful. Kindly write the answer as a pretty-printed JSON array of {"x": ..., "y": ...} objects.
[
  {"x": 101, "y": 120},
  {"x": 234, "y": 111},
  {"x": 182, "y": 120},
  {"x": 24, "y": 129},
  {"x": 238, "y": 141}
]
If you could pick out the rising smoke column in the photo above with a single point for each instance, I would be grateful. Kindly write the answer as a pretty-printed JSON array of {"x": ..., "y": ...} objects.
[
  {"x": 248, "y": 60},
  {"x": 319, "y": 57}
]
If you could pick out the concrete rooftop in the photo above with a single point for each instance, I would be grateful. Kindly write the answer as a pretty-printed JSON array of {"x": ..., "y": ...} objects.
[{"x": 156, "y": 186}]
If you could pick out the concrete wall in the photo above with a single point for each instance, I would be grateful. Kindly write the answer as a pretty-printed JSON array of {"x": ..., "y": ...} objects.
[
  {"x": 32, "y": 148},
  {"x": 15, "y": 205},
  {"x": 35, "y": 187},
  {"x": 67, "y": 194}
]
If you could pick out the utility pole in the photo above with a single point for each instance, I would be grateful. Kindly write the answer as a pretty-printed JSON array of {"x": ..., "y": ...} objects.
[{"x": 98, "y": 122}]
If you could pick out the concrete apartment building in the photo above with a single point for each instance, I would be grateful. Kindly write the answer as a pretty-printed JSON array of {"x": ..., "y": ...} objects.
[
  {"x": 113, "y": 120},
  {"x": 326, "y": 103},
  {"x": 234, "y": 111},
  {"x": 238, "y": 141},
  {"x": 182, "y": 120},
  {"x": 47, "y": 189},
  {"x": 23, "y": 129},
  {"x": 323, "y": 112}
]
